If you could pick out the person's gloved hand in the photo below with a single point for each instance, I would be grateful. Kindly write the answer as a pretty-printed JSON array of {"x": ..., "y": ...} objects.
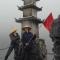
[{"x": 26, "y": 44}]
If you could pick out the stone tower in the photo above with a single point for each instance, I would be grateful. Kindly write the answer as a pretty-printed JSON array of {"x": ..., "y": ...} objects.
[{"x": 30, "y": 15}]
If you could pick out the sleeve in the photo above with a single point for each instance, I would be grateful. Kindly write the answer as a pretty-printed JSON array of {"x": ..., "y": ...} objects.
[
  {"x": 9, "y": 51},
  {"x": 18, "y": 37},
  {"x": 52, "y": 30},
  {"x": 11, "y": 36}
]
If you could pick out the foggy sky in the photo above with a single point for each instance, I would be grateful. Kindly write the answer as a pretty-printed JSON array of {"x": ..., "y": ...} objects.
[{"x": 9, "y": 11}]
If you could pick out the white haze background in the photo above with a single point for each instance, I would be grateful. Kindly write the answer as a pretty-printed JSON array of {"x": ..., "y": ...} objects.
[{"x": 8, "y": 13}]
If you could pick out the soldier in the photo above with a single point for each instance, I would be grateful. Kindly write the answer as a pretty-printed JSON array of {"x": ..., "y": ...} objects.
[
  {"x": 15, "y": 39},
  {"x": 28, "y": 42},
  {"x": 55, "y": 36},
  {"x": 55, "y": 29},
  {"x": 27, "y": 35}
]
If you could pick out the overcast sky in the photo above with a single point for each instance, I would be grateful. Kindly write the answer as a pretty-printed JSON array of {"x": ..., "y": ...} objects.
[{"x": 9, "y": 11}]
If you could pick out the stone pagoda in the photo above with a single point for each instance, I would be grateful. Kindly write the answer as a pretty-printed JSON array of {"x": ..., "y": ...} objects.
[{"x": 30, "y": 15}]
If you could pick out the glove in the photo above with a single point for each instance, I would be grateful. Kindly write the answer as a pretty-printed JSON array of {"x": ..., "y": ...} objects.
[{"x": 26, "y": 44}]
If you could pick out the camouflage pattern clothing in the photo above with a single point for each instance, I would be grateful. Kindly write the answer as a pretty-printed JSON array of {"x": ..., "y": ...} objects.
[{"x": 55, "y": 36}]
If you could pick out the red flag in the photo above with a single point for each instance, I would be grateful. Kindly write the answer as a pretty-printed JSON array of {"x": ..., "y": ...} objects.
[{"x": 48, "y": 22}]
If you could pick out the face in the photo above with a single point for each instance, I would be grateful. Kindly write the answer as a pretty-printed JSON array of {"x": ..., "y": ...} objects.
[{"x": 26, "y": 29}]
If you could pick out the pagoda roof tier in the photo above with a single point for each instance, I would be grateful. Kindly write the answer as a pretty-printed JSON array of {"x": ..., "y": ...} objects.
[
  {"x": 29, "y": 6},
  {"x": 29, "y": 18},
  {"x": 36, "y": 0}
]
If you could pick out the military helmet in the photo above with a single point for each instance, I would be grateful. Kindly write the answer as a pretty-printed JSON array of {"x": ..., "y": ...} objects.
[
  {"x": 13, "y": 29},
  {"x": 26, "y": 26}
]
